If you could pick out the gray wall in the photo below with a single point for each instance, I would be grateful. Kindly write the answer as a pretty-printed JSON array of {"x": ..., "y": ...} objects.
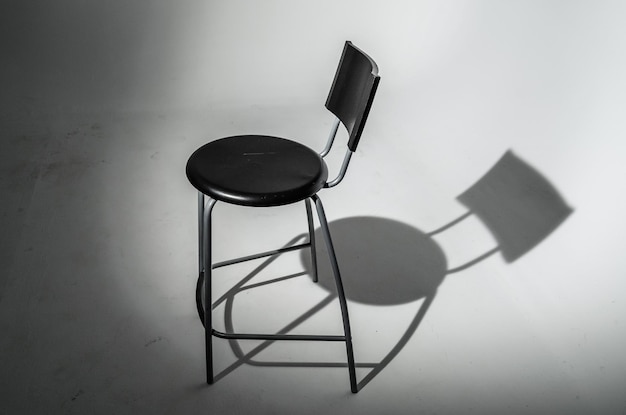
[{"x": 463, "y": 82}]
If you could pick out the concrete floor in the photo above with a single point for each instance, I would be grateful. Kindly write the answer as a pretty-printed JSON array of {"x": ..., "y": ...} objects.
[{"x": 99, "y": 264}]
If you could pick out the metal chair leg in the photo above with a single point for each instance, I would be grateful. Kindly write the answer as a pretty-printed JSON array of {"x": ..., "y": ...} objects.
[
  {"x": 309, "y": 215},
  {"x": 340, "y": 293},
  {"x": 200, "y": 218},
  {"x": 207, "y": 266}
]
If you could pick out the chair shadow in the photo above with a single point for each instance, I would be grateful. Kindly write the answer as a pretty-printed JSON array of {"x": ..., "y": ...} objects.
[{"x": 383, "y": 262}]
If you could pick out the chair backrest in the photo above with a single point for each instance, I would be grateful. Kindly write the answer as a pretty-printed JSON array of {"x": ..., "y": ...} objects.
[{"x": 353, "y": 91}]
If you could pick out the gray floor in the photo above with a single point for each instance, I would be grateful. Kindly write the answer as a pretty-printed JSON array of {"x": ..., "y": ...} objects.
[
  {"x": 99, "y": 265},
  {"x": 101, "y": 104}
]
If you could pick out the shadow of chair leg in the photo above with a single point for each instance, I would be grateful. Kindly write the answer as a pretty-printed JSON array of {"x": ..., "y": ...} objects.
[
  {"x": 246, "y": 358},
  {"x": 401, "y": 343}
]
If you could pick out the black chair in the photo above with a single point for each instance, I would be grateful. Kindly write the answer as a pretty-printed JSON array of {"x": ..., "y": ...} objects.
[{"x": 264, "y": 171}]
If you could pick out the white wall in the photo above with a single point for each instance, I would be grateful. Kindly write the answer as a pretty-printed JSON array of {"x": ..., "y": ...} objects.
[
  {"x": 462, "y": 82},
  {"x": 142, "y": 55}
]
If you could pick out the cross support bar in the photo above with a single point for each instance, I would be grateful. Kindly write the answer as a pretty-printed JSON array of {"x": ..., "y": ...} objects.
[
  {"x": 304, "y": 337},
  {"x": 261, "y": 255}
]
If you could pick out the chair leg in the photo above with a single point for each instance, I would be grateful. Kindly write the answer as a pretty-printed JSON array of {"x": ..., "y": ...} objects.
[
  {"x": 340, "y": 293},
  {"x": 200, "y": 218},
  {"x": 206, "y": 268},
  {"x": 309, "y": 215}
]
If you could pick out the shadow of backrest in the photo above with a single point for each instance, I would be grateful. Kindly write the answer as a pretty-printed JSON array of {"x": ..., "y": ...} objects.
[{"x": 517, "y": 204}]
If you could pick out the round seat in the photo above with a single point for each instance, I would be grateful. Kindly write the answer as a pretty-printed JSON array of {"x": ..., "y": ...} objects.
[{"x": 256, "y": 170}]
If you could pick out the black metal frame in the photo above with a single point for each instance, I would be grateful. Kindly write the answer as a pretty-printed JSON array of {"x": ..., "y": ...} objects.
[
  {"x": 350, "y": 99},
  {"x": 205, "y": 267}
]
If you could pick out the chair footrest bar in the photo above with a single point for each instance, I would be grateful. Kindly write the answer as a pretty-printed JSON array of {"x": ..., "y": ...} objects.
[
  {"x": 309, "y": 337},
  {"x": 261, "y": 255}
]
